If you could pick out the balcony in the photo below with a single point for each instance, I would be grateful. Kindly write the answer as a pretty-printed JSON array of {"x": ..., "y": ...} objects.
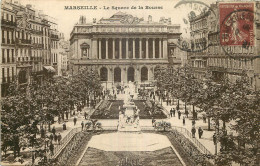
[
  {"x": 36, "y": 45},
  {"x": 37, "y": 32},
  {"x": 54, "y": 36},
  {"x": 8, "y": 23},
  {"x": 23, "y": 41}
]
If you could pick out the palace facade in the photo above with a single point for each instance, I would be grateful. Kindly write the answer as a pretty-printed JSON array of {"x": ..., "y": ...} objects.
[{"x": 124, "y": 48}]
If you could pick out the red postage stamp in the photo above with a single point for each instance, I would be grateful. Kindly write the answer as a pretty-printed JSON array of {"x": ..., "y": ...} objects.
[{"x": 236, "y": 24}]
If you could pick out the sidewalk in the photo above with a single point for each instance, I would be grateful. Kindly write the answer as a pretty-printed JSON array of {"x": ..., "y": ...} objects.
[{"x": 207, "y": 137}]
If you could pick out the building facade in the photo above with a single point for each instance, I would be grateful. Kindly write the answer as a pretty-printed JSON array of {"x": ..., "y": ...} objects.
[
  {"x": 199, "y": 43},
  {"x": 25, "y": 44},
  {"x": 123, "y": 48},
  {"x": 224, "y": 61},
  {"x": 8, "y": 56}
]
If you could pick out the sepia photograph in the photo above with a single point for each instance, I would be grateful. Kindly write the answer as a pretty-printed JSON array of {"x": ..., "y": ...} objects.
[{"x": 130, "y": 83}]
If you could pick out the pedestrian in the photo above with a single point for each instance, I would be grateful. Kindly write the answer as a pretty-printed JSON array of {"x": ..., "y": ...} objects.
[
  {"x": 55, "y": 138},
  {"x": 51, "y": 138},
  {"x": 173, "y": 110},
  {"x": 153, "y": 121},
  {"x": 67, "y": 115},
  {"x": 204, "y": 118},
  {"x": 183, "y": 120},
  {"x": 179, "y": 114},
  {"x": 64, "y": 126},
  {"x": 47, "y": 141},
  {"x": 59, "y": 138},
  {"x": 214, "y": 139},
  {"x": 193, "y": 122},
  {"x": 82, "y": 125},
  {"x": 196, "y": 115},
  {"x": 53, "y": 130},
  {"x": 59, "y": 119},
  {"x": 51, "y": 148},
  {"x": 75, "y": 120},
  {"x": 200, "y": 131},
  {"x": 187, "y": 113},
  {"x": 42, "y": 133},
  {"x": 193, "y": 131},
  {"x": 85, "y": 115}
]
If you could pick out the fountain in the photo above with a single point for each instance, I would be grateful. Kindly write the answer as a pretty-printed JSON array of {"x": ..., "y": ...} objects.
[{"x": 129, "y": 114}]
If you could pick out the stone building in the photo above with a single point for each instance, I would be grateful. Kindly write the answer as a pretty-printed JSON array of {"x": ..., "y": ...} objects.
[
  {"x": 8, "y": 58},
  {"x": 123, "y": 47},
  {"x": 223, "y": 61},
  {"x": 25, "y": 44},
  {"x": 199, "y": 42},
  {"x": 232, "y": 61}
]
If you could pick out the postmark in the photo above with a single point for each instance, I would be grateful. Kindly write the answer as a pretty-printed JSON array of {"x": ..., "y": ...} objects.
[{"x": 236, "y": 24}]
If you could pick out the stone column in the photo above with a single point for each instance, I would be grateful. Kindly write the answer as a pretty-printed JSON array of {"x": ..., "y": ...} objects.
[
  {"x": 120, "y": 48},
  {"x": 94, "y": 49},
  {"x": 133, "y": 48},
  {"x": 126, "y": 48},
  {"x": 153, "y": 48},
  {"x": 114, "y": 52},
  {"x": 147, "y": 55},
  {"x": 164, "y": 49},
  {"x": 160, "y": 48},
  {"x": 140, "y": 48},
  {"x": 99, "y": 52},
  {"x": 106, "y": 48}
]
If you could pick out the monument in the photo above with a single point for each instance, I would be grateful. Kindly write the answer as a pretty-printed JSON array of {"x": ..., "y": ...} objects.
[{"x": 129, "y": 114}]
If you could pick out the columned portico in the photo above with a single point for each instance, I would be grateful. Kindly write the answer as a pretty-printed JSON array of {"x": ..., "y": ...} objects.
[
  {"x": 126, "y": 49},
  {"x": 131, "y": 49}
]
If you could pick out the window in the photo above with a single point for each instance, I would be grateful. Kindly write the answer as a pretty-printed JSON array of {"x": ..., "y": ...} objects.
[
  {"x": 8, "y": 58},
  {"x": 3, "y": 56}
]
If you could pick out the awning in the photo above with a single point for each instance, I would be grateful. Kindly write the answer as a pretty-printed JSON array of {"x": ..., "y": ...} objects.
[{"x": 49, "y": 69}]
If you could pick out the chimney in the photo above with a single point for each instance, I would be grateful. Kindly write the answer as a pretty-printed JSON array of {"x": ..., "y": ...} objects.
[
  {"x": 150, "y": 19},
  {"x": 82, "y": 20}
]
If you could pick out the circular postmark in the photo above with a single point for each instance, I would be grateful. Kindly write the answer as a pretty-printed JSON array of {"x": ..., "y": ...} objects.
[
  {"x": 186, "y": 44},
  {"x": 224, "y": 26},
  {"x": 237, "y": 30}
]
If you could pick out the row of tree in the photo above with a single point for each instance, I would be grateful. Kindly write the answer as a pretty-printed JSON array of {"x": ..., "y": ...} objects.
[
  {"x": 27, "y": 107},
  {"x": 221, "y": 101}
]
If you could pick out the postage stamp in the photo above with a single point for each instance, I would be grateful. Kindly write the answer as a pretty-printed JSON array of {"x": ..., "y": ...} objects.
[{"x": 236, "y": 24}]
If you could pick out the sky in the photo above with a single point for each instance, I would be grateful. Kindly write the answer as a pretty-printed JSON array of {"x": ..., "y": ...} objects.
[{"x": 66, "y": 19}]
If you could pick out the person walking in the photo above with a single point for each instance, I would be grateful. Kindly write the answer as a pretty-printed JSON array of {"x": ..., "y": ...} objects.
[
  {"x": 214, "y": 139},
  {"x": 193, "y": 131},
  {"x": 47, "y": 141},
  {"x": 64, "y": 126},
  {"x": 53, "y": 130},
  {"x": 51, "y": 148},
  {"x": 200, "y": 131},
  {"x": 179, "y": 114},
  {"x": 204, "y": 119},
  {"x": 85, "y": 115},
  {"x": 55, "y": 138},
  {"x": 183, "y": 120},
  {"x": 193, "y": 122},
  {"x": 82, "y": 125},
  {"x": 51, "y": 138},
  {"x": 59, "y": 138},
  {"x": 42, "y": 133},
  {"x": 75, "y": 120},
  {"x": 67, "y": 115},
  {"x": 153, "y": 121},
  {"x": 173, "y": 110}
]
